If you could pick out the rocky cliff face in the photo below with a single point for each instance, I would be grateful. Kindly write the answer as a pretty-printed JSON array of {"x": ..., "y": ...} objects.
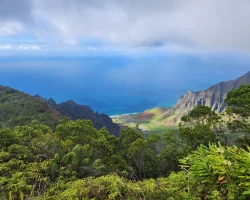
[
  {"x": 76, "y": 111},
  {"x": 212, "y": 97}
]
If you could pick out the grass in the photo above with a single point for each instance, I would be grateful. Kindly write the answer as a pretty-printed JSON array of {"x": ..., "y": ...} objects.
[{"x": 149, "y": 121}]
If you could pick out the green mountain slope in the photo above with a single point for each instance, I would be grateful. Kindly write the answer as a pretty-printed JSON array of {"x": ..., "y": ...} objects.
[
  {"x": 18, "y": 108},
  {"x": 150, "y": 120}
]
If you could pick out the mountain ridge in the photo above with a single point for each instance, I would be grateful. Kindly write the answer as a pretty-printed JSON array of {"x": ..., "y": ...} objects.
[
  {"x": 76, "y": 111},
  {"x": 213, "y": 97},
  {"x": 19, "y": 108}
]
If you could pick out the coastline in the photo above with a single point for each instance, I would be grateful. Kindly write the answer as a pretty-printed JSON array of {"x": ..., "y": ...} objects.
[{"x": 114, "y": 116}]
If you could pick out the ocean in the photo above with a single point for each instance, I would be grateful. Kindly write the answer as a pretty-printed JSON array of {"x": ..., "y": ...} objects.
[{"x": 118, "y": 84}]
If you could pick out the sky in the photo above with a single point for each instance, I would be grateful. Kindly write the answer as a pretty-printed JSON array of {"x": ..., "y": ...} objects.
[
  {"x": 122, "y": 56},
  {"x": 112, "y": 25}
]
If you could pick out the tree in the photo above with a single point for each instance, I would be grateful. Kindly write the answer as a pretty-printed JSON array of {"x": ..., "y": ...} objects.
[
  {"x": 238, "y": 101},
  {"x": 238, "y": 108},
  {"x": 199, "y": 126},
  {"x": 203, "y": 115},
  {"x": 31, "y": 131},
  {"x": 142, "y": 158},
  {"x": 127, "y": 137},
  {"x": 167, "y": 150},
  {"x": 79, "y": 131},
  {"x": 7, "y": 138}
]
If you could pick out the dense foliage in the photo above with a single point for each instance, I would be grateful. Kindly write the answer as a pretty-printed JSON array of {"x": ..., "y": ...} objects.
[
  {"x": 17, "y": 108},
  {"x": 34, "y": 159},
  {"x": 43, "y": 159}
]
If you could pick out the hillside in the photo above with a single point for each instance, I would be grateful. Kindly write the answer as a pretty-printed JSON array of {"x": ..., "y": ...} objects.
[
  {"x": 213, "y": 97},
  {"x": 77, "y": 161},
  {"x": 76, "y": 111},
  {"x": 18, "y": 108},
  {"x": 150, "y": 120}
]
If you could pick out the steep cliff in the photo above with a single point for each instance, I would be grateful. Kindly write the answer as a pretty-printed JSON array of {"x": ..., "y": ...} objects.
[
  {"x": 213, "y": 97},
  {"x": 76, "y": 111}
]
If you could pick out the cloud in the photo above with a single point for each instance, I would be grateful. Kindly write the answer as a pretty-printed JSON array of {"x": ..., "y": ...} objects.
[
  {"x": 22, "y": 47},
  {"x": 15, "y": 16},
  {"x": 15, "y": 10},
  {"x": 11, "y": 28},
  {"x": 6, "y": 46},
  {"x": 202, "y": 24}
]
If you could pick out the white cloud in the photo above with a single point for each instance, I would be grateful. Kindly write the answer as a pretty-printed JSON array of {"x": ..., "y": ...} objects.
[
  {"x": 209, "y": 24},
  {"x": 22, "y": 47},
  {"x": 91, "y": 48},
  {"x": 201, "y": 24},
  {"x": 5, "y": 46},
  {"x": 11, "y": 28}
]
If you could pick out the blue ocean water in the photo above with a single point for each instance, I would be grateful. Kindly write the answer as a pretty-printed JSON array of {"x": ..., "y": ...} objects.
[{"x": 118, "y": 84}]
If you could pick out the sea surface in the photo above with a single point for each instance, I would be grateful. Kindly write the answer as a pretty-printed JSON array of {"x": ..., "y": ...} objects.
[{"x": 118, "y": 84}]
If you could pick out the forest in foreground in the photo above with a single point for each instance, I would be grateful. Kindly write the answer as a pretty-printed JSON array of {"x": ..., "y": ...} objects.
[{"x": 43, "y": 156}]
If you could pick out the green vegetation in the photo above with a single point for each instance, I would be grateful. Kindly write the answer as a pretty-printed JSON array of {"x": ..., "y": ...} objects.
[
  {"x": 153, "y": 120},
  {"x": 17, "y": 108},
  {"x": 42, "y": 158}
]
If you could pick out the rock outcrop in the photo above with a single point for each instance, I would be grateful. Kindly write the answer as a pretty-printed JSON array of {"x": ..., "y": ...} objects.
[
  {"x": 212, "y": 97},
  {"x": 76, "y": 111}
]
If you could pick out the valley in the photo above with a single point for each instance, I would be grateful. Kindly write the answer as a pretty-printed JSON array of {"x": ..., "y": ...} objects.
[{"x": 161, "y": 118}]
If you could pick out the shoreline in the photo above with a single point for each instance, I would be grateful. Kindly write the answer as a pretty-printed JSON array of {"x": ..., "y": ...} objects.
[{"x": 113, "y": 116}]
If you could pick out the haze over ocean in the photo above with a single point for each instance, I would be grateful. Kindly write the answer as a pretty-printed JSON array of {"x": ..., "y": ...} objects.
[{"x": 119, "y": 84}]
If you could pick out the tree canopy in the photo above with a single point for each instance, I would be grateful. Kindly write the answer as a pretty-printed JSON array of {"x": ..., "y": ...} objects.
[{"x": 72, "y": 160}]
